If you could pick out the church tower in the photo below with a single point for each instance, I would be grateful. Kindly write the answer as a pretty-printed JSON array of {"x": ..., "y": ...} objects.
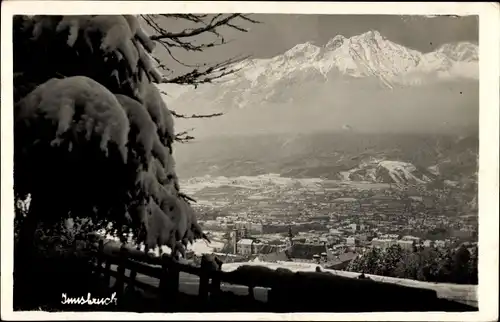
[{"x": 289, "y": 241}]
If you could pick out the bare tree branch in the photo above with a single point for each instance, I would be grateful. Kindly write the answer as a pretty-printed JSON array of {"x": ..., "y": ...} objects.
[
  {"x": 186, "y": 40},
  {"x": 214, "y": 23},
  {"x": 195, "y": 116},
  {"x": 161, "y": 65},
  {"x": 245, "y": 17},
  {"x": 179, "y": 40},
  {"x": 183, "y": 136},
  {"x": 190, "y": 17},
  {"x": 186, "y": 197},
  {"x": 185, "y": 139},
  {"x": 207, "y": 75}
]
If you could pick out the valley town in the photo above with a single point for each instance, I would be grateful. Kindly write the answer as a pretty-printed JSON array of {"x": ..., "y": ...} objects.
[{"x": 327, "y": 222}]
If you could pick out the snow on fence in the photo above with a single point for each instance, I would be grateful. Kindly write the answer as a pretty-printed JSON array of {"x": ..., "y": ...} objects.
[{"x": 287, "y": 291}]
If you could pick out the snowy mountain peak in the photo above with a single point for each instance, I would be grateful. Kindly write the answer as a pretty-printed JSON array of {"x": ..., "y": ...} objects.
[
  {"x": 461, "y": 51},
  {"x": 372, "y": 35},
  {"x": 335, "y": 42},
  {"x": 368, "y": 54},
  {"x": 303, "y": 50}
]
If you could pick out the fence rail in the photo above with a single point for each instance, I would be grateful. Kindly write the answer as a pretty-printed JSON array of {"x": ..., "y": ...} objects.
[{"x": 287, "y": 291}]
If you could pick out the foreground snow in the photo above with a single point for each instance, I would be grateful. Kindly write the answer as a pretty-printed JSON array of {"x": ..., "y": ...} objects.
[
  {"x": 461, "y": 293},
  {"x": 199, "y": 247}
]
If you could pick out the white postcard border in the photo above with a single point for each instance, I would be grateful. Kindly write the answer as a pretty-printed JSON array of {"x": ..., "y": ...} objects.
[{"x": 489, "y": 53}]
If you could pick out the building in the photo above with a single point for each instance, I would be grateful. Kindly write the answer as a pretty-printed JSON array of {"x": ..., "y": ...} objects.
[
  {"x": 274, "y": 228},
  {"x": 440, "y": 243},
  {"x": 406, "y": 244},
  {"x": 278, "y": 256},
  {"x": 362, "y": 237},
  {"x": 383, "y": 243},
  {"x": 334, "y": 231},
  {"x": 311, "y": 225},
  {"x": 242, "y": 225},
  {"x": 339, "y": 248},
  {"x": 340, "y": 261},
  {"x": 256, "y": 228},
  {"x": 211, "y": 224},
  {"x": 321, "y": 218},
  {"x": 428, "y": 243},
  {"x": 263, "y": 249},
  {"x": 245, "y": 246},
  {"x": 305, "y": 251},
  {"x": 352, "y": 241},
  {"x": 416, "y": 239}
]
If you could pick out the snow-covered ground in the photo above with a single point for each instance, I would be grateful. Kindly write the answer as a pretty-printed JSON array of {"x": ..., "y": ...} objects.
[
  {"x": 462, "y": 293},
  {"x": 199, "y": 247},
  {"x": 246, "y": 182},
  {"x": 399, "y": 171}
]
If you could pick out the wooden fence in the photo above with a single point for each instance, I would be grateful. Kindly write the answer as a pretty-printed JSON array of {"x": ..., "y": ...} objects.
[{"x": 287, "y": 291}]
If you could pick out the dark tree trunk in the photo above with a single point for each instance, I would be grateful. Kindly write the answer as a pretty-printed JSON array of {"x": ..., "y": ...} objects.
[
  {"x": 25, "y": 249},
  {"x": 24, "y": 253}
]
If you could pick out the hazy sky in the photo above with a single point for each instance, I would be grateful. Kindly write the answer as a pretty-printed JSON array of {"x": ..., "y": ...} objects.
[{"x": 279, "y": 32}]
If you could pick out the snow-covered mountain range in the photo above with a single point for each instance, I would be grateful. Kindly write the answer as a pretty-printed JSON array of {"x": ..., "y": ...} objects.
[
  {"x": 369, "y": 57},
  {"x": 366, "y": 55}
]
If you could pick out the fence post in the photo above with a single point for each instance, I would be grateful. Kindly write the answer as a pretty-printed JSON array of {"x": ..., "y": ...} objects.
[
  {"x": 216, "y": 281},
  {"x": 205, "y": 267},
  {"x": 107, "y": 273},
  {"x": 120, "y": 279},
  {"x": 131, "y": 284},
  {"x": 174, "y": 276},
  {"x": 100, "y": 259},
  {"x": 171, "y": 281},
  {"x": 275, "y": 298},
  {"x": 164, "y": 287},
  {"x": 271, "y": 295},
  {"x": 251, "y": 294}
]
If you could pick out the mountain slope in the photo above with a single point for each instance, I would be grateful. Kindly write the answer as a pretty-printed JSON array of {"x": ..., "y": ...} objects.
[
  {"x": 413, "y": 159},
  {"x": 388, "y": 171}
]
